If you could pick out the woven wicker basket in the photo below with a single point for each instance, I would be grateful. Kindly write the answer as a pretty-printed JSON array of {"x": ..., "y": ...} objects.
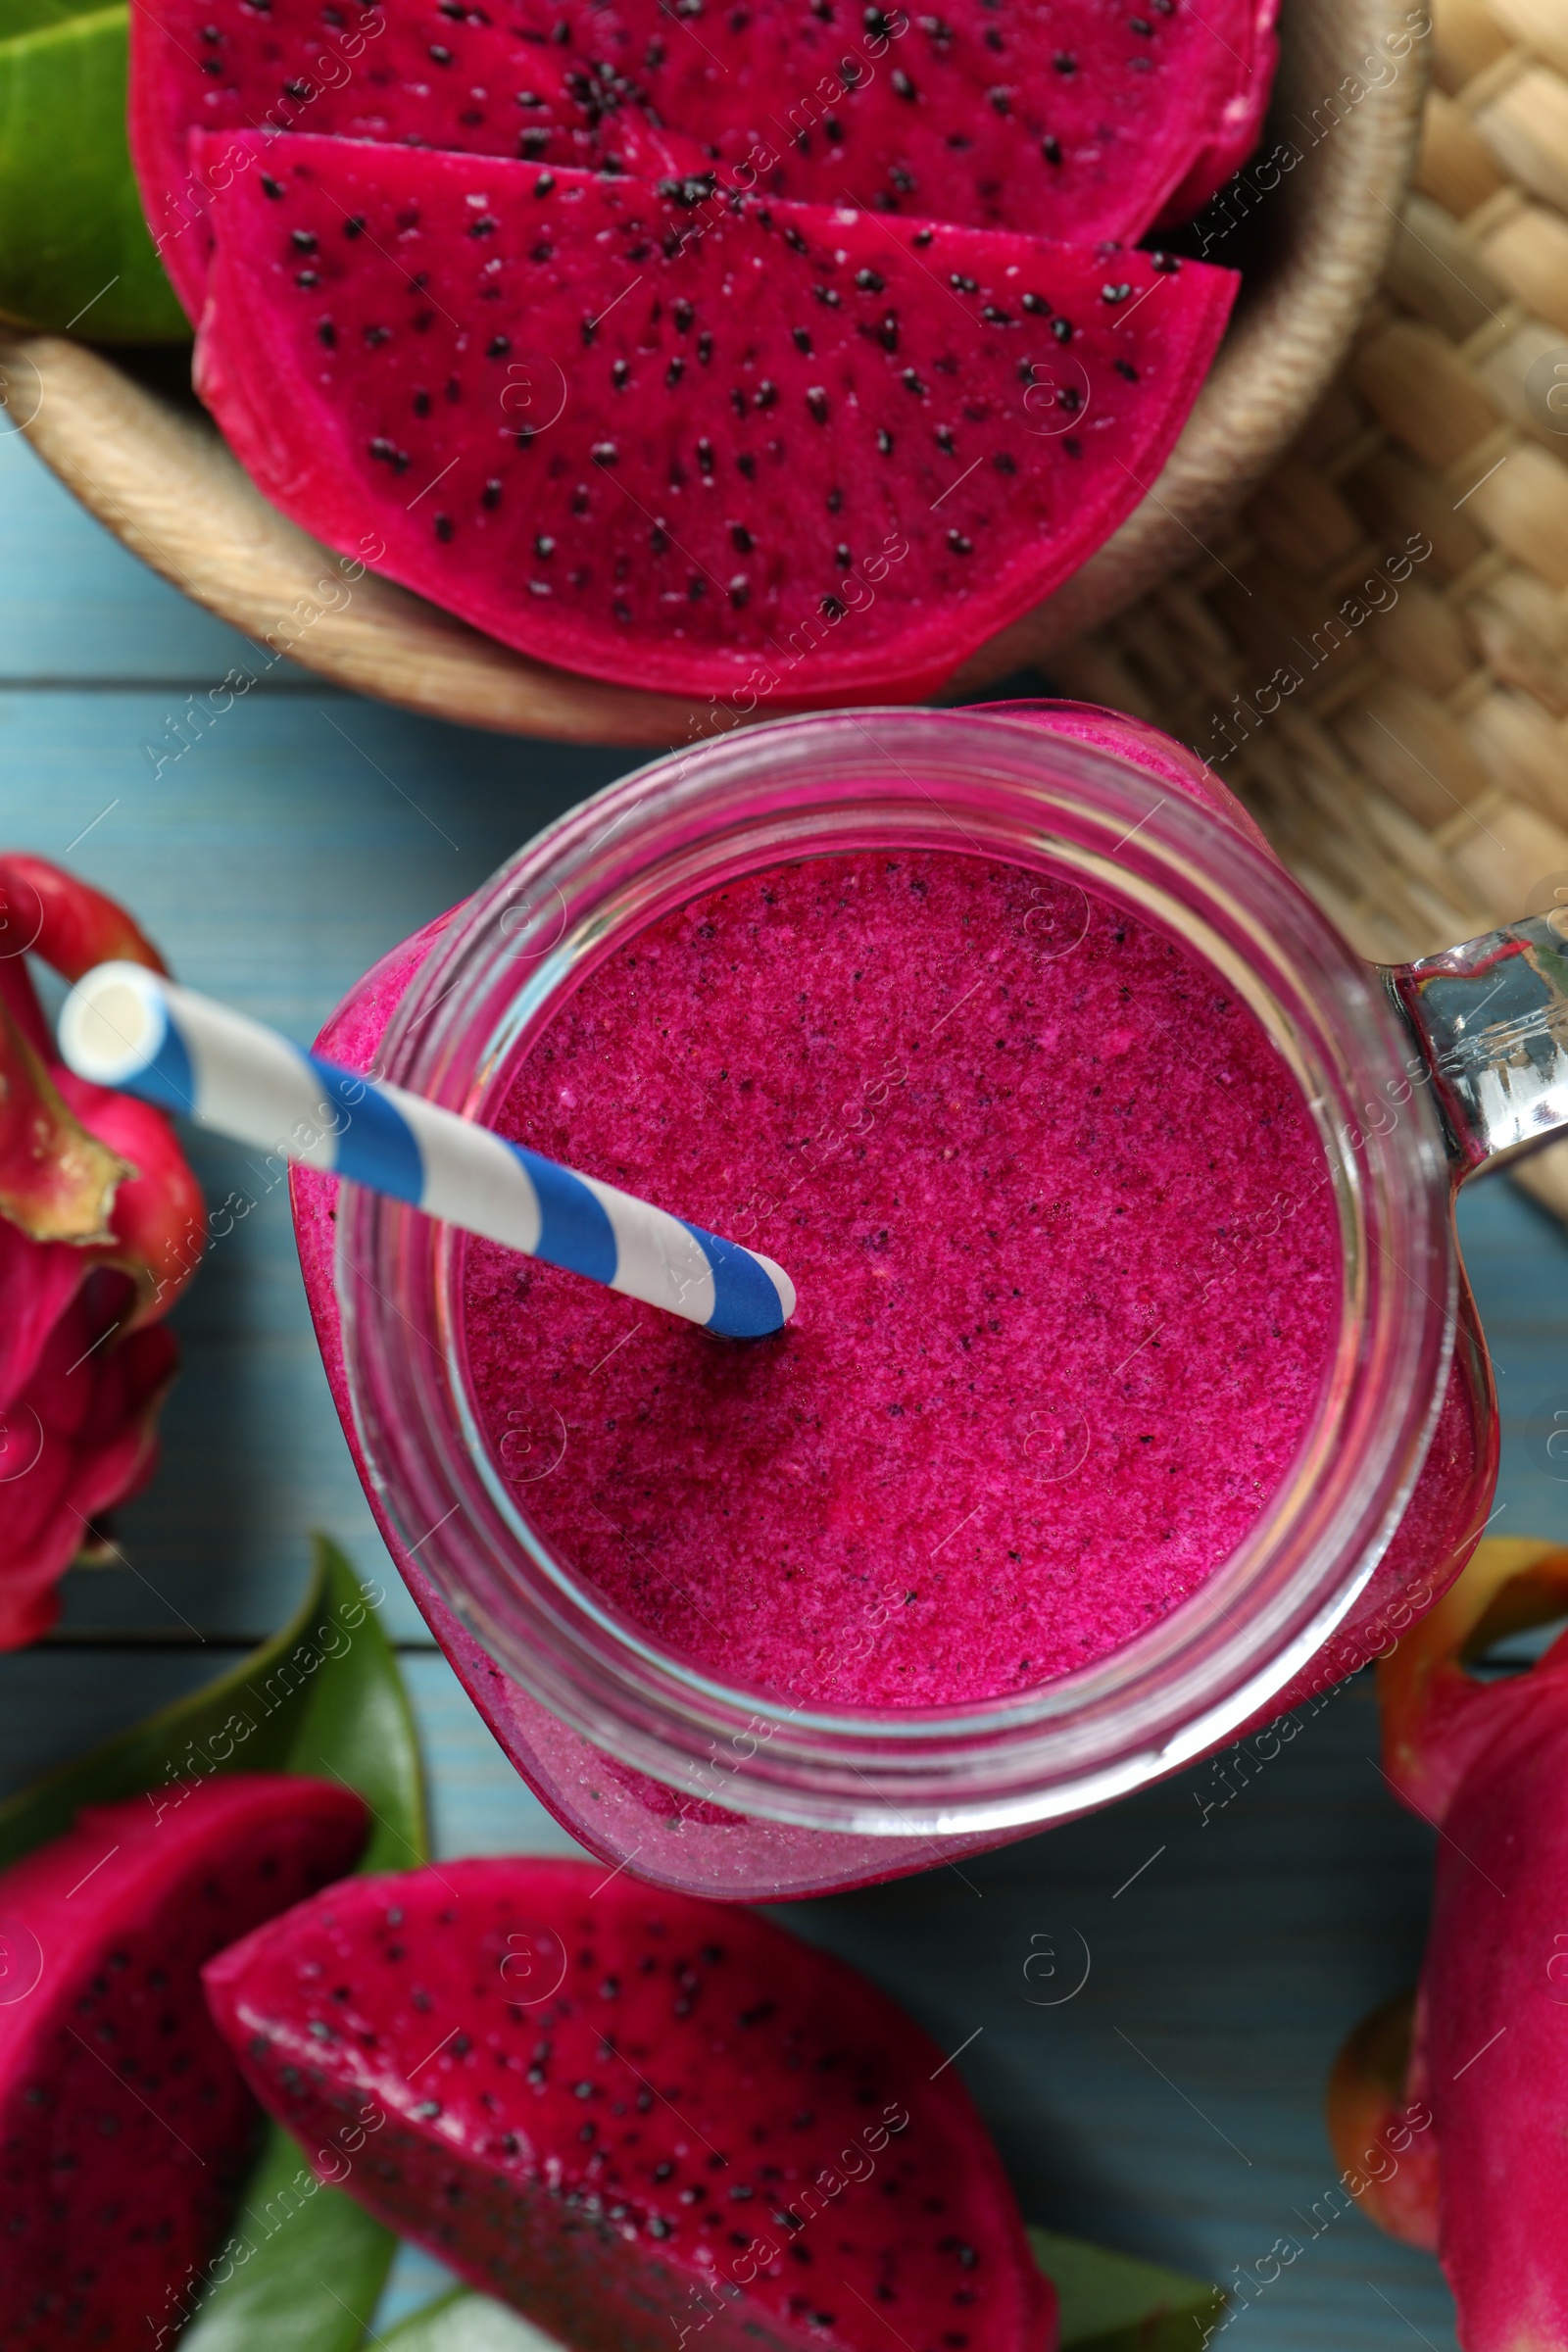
[{"x": 1376, "y": 655}]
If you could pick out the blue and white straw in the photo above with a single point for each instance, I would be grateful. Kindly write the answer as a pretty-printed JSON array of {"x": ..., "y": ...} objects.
[{"x": 123, "y": 1026}]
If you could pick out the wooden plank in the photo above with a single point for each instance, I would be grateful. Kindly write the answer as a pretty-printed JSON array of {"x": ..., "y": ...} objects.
[{"x": 74, "y": 605}]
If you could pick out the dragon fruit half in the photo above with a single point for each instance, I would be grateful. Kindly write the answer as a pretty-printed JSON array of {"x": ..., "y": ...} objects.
[
  {"x": 1451, "y": 2108},
  {"x": 101, "y": 1226},
  {"x": 638, "y": 2117}
]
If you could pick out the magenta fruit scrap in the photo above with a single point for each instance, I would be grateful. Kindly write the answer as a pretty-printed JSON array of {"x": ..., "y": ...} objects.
[
  {"x": 641, "y": 2118},
  {"x": 743, "y": 448},
  {"x": 124, "y": 2125}
]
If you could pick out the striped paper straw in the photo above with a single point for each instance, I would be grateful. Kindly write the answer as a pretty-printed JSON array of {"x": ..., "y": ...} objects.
[{"x": 123, "y": 1026}]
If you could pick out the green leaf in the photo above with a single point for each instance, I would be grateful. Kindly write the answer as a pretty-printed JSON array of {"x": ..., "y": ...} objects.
[
  {"x": 465, "y": 2323},
  {"x": 305, "y": 2266},
  {"x": 28, "y": 16},
  {"x": 75, "y": 250},
  {"x": 1115, "y": 2303},
  {"x": 322, "y": 1697}
]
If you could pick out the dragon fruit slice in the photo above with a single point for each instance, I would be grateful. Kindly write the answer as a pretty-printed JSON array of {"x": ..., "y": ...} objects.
[
  {"x": 638, "y": 2117},
  {"x": 124, "y": 2125},
  {"x": 354, "y": 71},
  {"x": 1483, "y": 2059},
  {"x": 797, "y": 453},
  {"x": 1078, "y": 120},
  {"x": 1239, "y": 121}
]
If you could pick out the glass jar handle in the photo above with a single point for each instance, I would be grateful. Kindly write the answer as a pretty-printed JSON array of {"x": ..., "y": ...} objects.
[{"x": 1490, "y": 1021}]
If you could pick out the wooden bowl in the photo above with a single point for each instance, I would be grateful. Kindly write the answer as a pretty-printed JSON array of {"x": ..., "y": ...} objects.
[{"x": 145, "y": 460}]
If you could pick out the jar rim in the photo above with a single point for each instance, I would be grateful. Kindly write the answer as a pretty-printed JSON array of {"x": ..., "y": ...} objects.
[{"x": 997, "y": 780}]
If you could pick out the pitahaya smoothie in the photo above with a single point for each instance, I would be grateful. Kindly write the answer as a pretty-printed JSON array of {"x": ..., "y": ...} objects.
[
  {"x": 1068, "y": 1264},
  {"x": 1070, "y": 1287}
]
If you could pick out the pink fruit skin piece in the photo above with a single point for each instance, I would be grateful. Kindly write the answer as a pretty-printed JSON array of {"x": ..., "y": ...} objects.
[
  {"x": 87, "y": 1435},
  {"x": 85, "y": 1360},
  {"x": 697, "y": 502},
  {"x": 1492, "y": 2052},
  {"x": 1146, "y": 121},
  {"x": 634, "y": 2087},
  {"x": 124, "y": 2125}
]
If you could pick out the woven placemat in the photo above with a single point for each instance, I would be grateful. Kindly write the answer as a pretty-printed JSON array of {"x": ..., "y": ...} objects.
[{"x": 1376, "y": 656}]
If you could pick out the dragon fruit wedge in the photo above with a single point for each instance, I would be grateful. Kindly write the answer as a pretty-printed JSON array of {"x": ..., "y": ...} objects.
[
  {"x": 1452, "y": 2109},
  {"x": 1079, "y": 120},
  {"x": 1238, "y": 123},
  {"x": 640, "y": 2118},
  {"x": 125, "y": 2125},
  {"x": 797, "y": 452}
]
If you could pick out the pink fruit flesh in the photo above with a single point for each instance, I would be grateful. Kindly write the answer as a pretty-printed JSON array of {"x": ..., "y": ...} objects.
[
  {"x": 1059, "y": 1338},
  {"x": 629, "y": 2112},
  {"x": 1071, "y": 118},
  {"x": 125, "y": 2125},
  {"x": 794, "y": 452},
  {"x": 1238, "y": 123}
]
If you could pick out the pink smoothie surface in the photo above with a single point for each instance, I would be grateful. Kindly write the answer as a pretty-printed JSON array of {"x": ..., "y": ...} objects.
[{"x": 1070, "y": 1281}]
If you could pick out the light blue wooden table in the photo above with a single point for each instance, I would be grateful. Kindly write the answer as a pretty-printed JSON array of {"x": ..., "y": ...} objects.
[{"x": 1173, "y": 2107}]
